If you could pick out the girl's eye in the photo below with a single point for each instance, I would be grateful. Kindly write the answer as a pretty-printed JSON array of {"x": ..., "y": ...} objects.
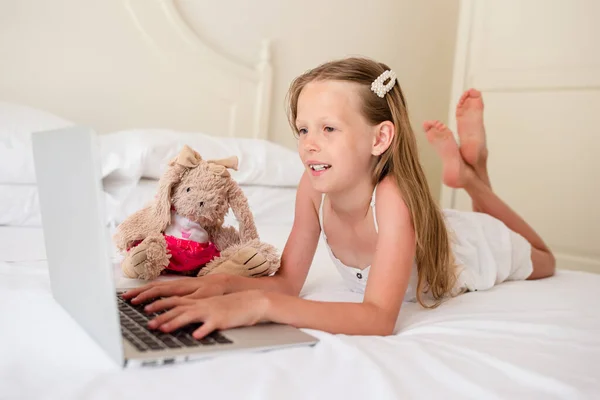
[
  {"x": 302, "y": 131},
  {"x": 188, "y": 189},
  {"x": 329, "y": 129}
]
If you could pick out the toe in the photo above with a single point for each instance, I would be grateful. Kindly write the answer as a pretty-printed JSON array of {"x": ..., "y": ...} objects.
[
  {"x": 427, "y": 125},
  {"x": 463, "y": 98},
  {"x": 474, "y": 93}
]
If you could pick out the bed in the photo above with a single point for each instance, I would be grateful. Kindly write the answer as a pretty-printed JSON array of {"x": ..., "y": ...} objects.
[
  {"x": 521, "y": 340},
  {"x": 518, "y": 340}
]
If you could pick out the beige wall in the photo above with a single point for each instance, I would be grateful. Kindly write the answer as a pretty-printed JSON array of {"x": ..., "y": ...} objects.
[
  {"x": 416, "y": 38},
  {"x": 86, "y": 61}
]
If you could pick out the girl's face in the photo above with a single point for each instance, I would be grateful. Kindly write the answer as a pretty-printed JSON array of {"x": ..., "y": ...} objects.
[{"x": 335, "y": 140}]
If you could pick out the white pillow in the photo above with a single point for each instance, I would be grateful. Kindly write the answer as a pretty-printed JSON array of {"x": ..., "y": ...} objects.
[
  {"x": 20, "y": 205},
  {"x": 146, "y": 153},
  {"x": 143, "y": 153},
  {"x": 17, "y": 122}
]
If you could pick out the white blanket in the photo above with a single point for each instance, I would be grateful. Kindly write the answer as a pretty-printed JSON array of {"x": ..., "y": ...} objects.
[{"x": 522, "y": 340}]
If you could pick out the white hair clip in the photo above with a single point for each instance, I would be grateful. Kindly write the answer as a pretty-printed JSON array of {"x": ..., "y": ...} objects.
[{"x": 379, "y": 88}]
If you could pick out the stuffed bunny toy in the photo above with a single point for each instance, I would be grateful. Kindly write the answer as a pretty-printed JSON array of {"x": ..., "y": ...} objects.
[{"x": 182, "y": 229}]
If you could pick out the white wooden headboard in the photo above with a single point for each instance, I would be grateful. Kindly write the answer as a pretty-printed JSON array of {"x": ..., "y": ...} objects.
[{"x": 129, "y": 64}]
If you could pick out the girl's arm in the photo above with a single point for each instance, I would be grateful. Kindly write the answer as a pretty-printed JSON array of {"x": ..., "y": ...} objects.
[
  {"x": 295, "y": 261},
  {"x": 388, "y": 281},
  {"x": 297, "y": 254}
]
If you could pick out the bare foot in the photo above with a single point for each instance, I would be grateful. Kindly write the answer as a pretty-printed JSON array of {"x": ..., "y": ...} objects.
[
  {"x": 456, "y": 173},
  {"x": 470, "y": 129}
]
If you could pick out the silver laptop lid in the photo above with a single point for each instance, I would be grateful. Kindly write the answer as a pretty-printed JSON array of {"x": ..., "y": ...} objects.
[{"x": 67, "y": 167}]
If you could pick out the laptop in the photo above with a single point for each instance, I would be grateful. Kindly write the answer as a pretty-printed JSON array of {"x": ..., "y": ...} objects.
[{"x": 79, "y": 246}]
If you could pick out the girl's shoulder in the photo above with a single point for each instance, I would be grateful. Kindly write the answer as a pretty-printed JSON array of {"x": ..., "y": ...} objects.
[
  {"x": 307, "y": 192},
  {"x": 389, "y": 199},
  {"x": 388, "y": 190}
]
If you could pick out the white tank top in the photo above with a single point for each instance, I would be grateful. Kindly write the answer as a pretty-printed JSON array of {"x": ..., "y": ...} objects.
[{"x": 356, "y": 278}]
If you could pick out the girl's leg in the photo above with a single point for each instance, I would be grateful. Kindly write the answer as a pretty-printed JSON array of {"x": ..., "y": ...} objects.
[
  {"x": 458, "y": 174},
  {"x": 471, "y": 132}
]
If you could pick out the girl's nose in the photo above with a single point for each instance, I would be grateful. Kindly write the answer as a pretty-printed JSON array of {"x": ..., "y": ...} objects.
[{"x": 310, "y": 143}]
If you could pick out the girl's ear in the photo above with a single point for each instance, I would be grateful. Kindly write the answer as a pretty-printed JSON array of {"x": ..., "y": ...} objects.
[{"x": 384, "y": 134}]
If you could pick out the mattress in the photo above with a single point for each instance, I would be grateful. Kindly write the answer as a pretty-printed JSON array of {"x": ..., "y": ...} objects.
[
  {"x": 518, "y": 340},
  {"x": 19, "y": 243}
]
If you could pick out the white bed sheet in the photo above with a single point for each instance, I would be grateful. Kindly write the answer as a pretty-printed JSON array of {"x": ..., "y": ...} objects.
[{"x": 519, "y": 340}]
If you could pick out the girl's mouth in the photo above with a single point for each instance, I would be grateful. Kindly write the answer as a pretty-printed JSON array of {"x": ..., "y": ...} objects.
[{"x": 318, "y": 169}]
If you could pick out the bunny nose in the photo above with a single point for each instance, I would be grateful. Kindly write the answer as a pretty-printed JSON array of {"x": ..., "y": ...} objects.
[{"x": 201, "y": 203}]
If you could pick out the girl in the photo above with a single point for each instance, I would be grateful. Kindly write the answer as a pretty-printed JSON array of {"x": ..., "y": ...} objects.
[{"x": 365, "y": 192}]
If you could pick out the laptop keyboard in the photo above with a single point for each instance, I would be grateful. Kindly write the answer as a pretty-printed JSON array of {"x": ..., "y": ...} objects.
[{"x": 134, "y": 328}]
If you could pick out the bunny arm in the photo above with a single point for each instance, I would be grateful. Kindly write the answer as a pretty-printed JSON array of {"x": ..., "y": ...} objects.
[
  {"x": 224, "y": 236},
  {"x": 137, "y": 226},
  {"x": 239, "y": 204}
]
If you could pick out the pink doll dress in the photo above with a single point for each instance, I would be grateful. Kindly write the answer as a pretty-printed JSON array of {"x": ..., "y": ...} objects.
[
  {"x": 188, "y": 245},
  {"x": 187, "y": 255}
]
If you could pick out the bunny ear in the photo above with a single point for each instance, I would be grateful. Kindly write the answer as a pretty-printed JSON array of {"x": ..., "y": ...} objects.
[
  {"x": 229, "y": 162},
  {"x": 187, "y": 157},
  {"x": 162, "y": 203},
  {"x": 239, "y": 205}
]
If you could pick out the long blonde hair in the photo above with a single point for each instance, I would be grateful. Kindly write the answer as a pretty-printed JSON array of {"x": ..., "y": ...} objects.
[{"x": 435, "y": 263}]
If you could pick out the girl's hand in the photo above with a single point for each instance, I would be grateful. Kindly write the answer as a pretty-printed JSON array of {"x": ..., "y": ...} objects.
[
  {"x": 222, "y": 312},
  {"x": 196, "y": 288}
]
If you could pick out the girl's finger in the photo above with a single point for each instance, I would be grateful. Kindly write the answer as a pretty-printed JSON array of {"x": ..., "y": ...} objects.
[
  {"x": 165, "y": 303},
  {"x": 186, "y": 317},
  {"x": 152, "y": 293},
  {"x": 135, "y": 291},
  {"x": 161, "y": 289},
  {"x": 166, "y": 317},
  {"x": 206, "y": 328}
]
